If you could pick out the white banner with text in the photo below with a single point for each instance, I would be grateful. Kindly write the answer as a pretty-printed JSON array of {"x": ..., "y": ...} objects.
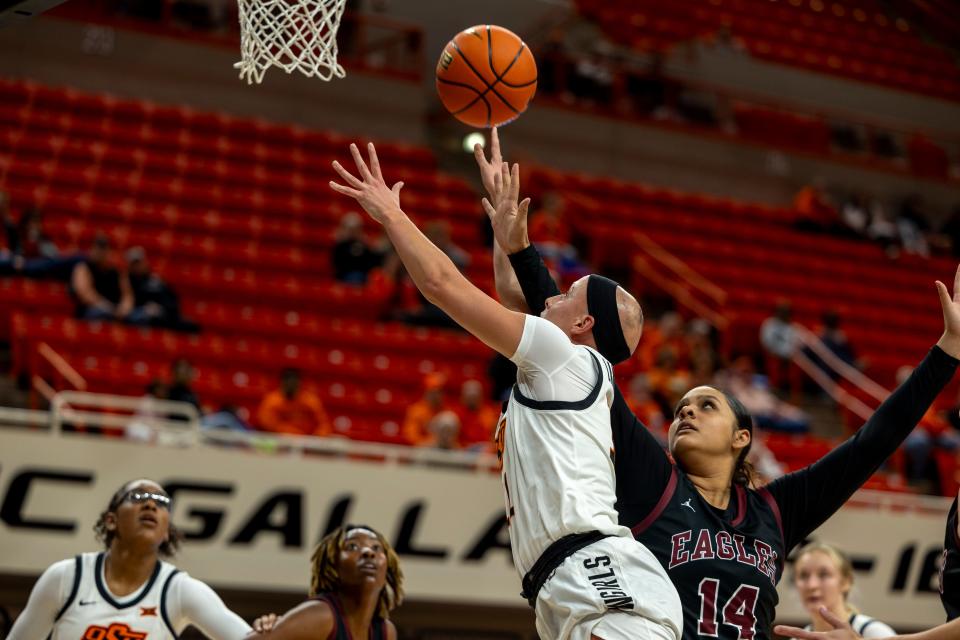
[{"x": 252, "y": 518}]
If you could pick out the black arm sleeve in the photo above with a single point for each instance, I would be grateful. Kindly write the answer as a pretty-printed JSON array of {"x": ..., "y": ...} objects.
[
  {"x": 534, "y": 278},
  {"x": 950, "y": 573},
  {"x": 809, "y": 496},
  {"x": 642, "y": 467}
]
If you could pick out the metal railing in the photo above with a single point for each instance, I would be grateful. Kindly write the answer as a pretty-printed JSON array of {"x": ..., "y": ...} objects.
[{"x": 171, "y": 423}]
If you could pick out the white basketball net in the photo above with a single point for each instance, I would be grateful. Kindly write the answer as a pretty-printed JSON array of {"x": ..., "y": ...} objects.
[{"x": 295, "y": 35}]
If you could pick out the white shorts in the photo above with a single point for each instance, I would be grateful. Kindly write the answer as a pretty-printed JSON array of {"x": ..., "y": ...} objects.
[{"x": 614, "y": 589}]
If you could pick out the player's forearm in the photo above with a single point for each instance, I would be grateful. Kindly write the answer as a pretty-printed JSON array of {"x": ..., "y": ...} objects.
[
  {"x": 508, "y": 288},
  {"x": 430, "y": 269},
  {"x": 948, "y": 631}
]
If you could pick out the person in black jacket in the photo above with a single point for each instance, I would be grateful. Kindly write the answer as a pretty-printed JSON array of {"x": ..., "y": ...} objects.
[{"x": 722, "y": 542}]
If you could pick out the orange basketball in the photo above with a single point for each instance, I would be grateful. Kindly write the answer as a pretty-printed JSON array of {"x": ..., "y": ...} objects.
[{"x": 486, "y": 76}]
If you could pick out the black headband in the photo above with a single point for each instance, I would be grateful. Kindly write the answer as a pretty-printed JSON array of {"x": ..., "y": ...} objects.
[{"x": 607, "y": 332}]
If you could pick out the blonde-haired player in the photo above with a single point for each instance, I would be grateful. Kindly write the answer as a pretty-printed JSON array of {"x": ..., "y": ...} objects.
[{"x": 583, "y": 572}]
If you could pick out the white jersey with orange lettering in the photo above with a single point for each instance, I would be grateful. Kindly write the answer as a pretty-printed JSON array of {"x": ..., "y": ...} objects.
[{"x": 72, "y": 601}]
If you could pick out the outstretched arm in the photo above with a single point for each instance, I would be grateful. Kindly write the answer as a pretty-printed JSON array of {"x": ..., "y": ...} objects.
[
  {"x": 808, "y": 497},
  {"x": 307, "y": 621},
  {"x": 508, "y": 230},
  {"x": 431, "y": 270},
  {"x": 843, "y": 631}
]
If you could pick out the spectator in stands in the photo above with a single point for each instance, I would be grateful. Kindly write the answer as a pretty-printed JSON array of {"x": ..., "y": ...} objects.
[
  {"x": 292, "y": 409},
  {"x": 477, "y": 417},
  {"x": 703, "y": 355},
  {"x": 779, "y": 339},
  {"x": 30, "y": 252},
  {"x": 141, "y": 427},
  {"x": 182, "y": 375},
  {"x": 836, "y": 340},
  {"x": 769, "y": 412},
  {"x": 912, "y": 225},
  {"x": 155, "y": 302},
  {"x": 416, "y": 429},
  {"x": 883, "y": 229},
  {"x": 668, "y": 379},
  {"x": 591, "y": 80},
  {"x": 444, "y": 431},
  {"x": 951, "y": 231},
  {"x": 353, "y": 257},
  {"x": 931, "y": 434},
  {"x": 645, "y": 406},
  {"x": 855, "y": 214},
  {"x": 438, "y": 232},
  {"x": 554, "y": 237},
  {"x": 100, "y": 290},
  {"x": 814, "y": 210},
  {"x": 667, "y": 332}
]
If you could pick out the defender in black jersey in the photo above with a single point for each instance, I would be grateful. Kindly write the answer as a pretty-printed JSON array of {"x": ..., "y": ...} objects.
[
  {"x": 722, "y": 542},
  {"x": 726, "y": 561},
  {"x": 356, "y": 582}
]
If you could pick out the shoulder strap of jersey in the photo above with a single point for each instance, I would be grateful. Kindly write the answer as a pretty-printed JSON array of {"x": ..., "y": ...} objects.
[
  {"x": 665, "y": 498},
  {"x": 77, "y": 571},
  {"x": 865, "y": 622},
  {"x": 164, "y": 612},
  {"x": 563, "y": 405}
]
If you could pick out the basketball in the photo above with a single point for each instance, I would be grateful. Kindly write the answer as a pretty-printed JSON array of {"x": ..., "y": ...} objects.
[{"x": 486, "y": 76}]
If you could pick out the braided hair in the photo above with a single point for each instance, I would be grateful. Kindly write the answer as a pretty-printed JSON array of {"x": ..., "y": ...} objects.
[{"x": 325, "y": 570}]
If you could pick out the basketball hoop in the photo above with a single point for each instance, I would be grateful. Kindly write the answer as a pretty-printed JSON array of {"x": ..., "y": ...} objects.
[{"x": 295, "y": 35}]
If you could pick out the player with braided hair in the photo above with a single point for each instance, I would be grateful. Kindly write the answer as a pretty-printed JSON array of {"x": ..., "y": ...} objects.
[{"x": 355, "y": 583}]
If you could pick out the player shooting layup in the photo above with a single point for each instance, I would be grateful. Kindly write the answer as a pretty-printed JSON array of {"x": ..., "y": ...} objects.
[{"x": 583, "y": 572}]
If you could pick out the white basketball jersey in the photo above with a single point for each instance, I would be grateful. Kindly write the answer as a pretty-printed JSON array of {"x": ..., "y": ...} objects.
[
  {"x": 557, "y": 467},
  {"x": 91, "y": 612}
]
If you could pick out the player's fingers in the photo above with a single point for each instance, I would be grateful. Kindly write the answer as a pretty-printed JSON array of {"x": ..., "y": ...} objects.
[
  {"x": 497, "y": 184},
  {"x": 396, "y": 188},
  {"x": 794, "y": 632},
  {"x": 505, "y": 175},
  {"x": 358, "y": 159},
  {"x": 829, "y": 616},
  {"x": 494, "y": 145},
  {"x": 945, "y": 300},
  {"x": 347, "y": 191},
  {"x": 956, "y": 285},
  {"x": 374, "y": 161},
  {"x": 522, "y": 209},
  {"x": 346, "y": 175},
  {"x": 478, "y": 154},
  {"x": 488, "y": 209},
  {"x": 515, "y": 182}
]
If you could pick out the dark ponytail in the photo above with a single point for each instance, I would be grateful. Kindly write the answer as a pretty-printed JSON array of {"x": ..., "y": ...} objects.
[{"x": 743, "y": 472}]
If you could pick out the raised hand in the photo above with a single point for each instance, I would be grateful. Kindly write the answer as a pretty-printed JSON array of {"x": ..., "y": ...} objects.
[
  {"x": 508, "y": 217},
  {"x": 841, "y": 629},
  {"x": 489, "y": 169},
  {"x": 371, "y": 193},
  {"x": 950, "y": 341}
]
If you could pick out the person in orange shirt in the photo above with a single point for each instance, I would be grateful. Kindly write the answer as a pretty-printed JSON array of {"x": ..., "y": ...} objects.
[
  {"x": 416, "y": 424},
  {"x": 477, "y": 417},
  {"x": 291, "y": 409}
]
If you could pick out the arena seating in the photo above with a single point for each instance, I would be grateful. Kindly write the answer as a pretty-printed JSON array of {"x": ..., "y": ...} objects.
[
  {"x": 857, "y": 40},
  {"x": 757, "y": 256},
  {"x": 235, "y": 214}
]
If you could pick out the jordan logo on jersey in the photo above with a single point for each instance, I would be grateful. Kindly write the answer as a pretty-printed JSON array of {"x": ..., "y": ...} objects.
[
  {"x": 606, "y": 583},
  {"x": 116, "y": 631}
]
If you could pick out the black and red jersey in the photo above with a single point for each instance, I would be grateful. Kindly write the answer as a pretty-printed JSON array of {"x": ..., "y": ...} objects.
[
  {"x": 725, "y": 563},
  {"x": 378, "y": 627},
  {"x": 950, "y": 570}
]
